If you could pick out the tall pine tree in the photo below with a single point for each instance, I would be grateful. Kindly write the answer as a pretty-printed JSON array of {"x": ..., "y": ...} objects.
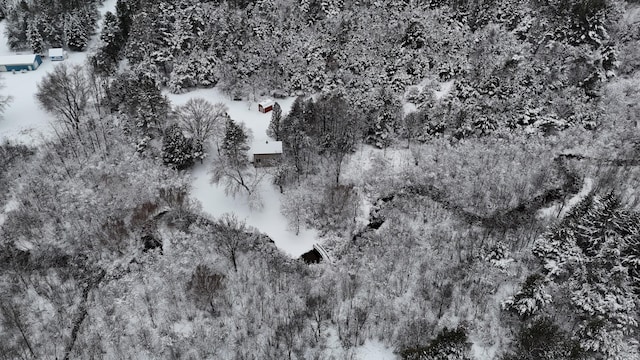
[
  {"x": 177, "y": 150},
  {"x": 274, "y": 130},
  {"x": 234, "y": 145},
  {"x": 35, "y": 38}
]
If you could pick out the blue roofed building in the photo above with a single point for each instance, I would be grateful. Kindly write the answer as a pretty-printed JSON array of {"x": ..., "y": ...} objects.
[{"x": 20, "y": 62}]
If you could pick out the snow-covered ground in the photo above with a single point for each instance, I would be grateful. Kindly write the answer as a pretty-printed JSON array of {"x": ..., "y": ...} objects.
[
  {"x": 268, "y": 219},
  {"x": 242, "y": 111},
  {"x": 24, "y": 121},
  {"x": 374, "y": 350},
  {"x": 370, "y": 350}
]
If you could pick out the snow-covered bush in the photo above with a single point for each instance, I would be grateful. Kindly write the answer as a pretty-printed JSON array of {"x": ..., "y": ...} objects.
[
  {"x": 448, "y": 345},
  {"x": 531, "y": 299}
]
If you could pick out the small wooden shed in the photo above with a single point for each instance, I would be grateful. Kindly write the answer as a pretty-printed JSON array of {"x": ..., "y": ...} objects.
[
  {"x": 265, "y": 106},
  {"x": 266, "y": 154},
  {"x": 57, "y": 54},
  {"x": 20, "y": 62}
]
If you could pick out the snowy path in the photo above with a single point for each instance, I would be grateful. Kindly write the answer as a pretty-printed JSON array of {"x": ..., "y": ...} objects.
[
  {"x": 24, "y": 121},
  {"x": 561, "y": 210},
  {"x": 269, "y": 219}
]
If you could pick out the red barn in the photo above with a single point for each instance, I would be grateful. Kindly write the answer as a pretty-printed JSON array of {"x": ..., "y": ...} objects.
[{"x": 265, "y": 106}]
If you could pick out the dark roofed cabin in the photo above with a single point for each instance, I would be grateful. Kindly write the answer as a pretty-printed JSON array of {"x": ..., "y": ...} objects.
[{"x": 266, "y": 154}]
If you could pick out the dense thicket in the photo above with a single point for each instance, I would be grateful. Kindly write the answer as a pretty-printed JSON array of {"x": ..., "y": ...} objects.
[
  {"x": 38, "y": 25},
  {"x": 515, "y": 63}
]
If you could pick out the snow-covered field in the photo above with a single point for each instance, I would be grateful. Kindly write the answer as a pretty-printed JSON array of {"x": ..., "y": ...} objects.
[
  {"x": 24, "y": 121},
  {"x": 268, "y": 219}
]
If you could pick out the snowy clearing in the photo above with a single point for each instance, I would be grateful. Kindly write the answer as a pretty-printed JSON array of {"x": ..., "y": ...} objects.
[
  {"x": 374, "y": 350},
  {"x": 268, "y": 219},
  {"x": 370, "y": 350}
]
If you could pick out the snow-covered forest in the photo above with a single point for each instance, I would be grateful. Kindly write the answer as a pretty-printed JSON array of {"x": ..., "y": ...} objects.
[{"x": 320, "y": 179}]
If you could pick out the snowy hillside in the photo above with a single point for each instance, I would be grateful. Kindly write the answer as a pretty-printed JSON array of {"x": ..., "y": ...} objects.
[{"x": 284, "y": 179}]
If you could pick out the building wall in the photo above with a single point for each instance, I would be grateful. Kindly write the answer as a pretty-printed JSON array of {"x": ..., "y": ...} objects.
[
  {"x": 264, "y": 160},
  {"x": 18, "y": 67},
  {"x": 265, "y": 109}
]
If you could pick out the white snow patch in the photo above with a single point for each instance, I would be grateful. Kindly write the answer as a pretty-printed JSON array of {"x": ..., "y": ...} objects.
[
  {"x": 587, "y": 186},
  {"x": 11, "y": 205},
  {"x": 183, "y": 328},
  {"x": 502, "y": 263},
  {"x": 241, "y": 111},
  {"x": 374, "y": 350},
  {"x": 366, "y": 158},
  {"x": 445, "y": 89},
  {"x": 370, "y": 350},
  {"x": 408, "y": 108},
  {"x": 483, "y": 353}
]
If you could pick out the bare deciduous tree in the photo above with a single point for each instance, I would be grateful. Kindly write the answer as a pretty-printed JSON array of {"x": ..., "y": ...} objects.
[
  {"x": 232, "y": 167},
  {"x": 200, "y": 119},
  {"x": 231, "y": 236},
  {"x": 65, "y": 92},
  {"x": 4, "y": 100}
]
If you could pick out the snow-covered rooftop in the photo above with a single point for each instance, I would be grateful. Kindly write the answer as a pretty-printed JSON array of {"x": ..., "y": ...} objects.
[
  {"x": 267, "y": 147},
  {"x": 266, "y": 103},
  {"x": 17, "y": 59},
  {"x": 56, "y": 52}
]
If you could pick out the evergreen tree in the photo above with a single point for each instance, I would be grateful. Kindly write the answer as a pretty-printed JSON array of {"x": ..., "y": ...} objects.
[
  {"x": 235, "y": 145},
  {"x": 16, "y": 25},
  {"x": 177, "y": 150},
  {"x": 140, "y": 98},
  {"x": 105, "y": 61},
  {"x": 111, "y": 37},
  {"x": 294, "y": 138},
  {"x": 124, "y": 14},
  {"x": 384, "y": 120},
  {"x": 413, "y": 124},
  {"x": 542, "y": 339},
  {"x": 448, "y": 345},
  {"x": 531, "y": 299},
  {"x": 274, "y": 130},
  {"x": 76, "y": 33},
  {"x": 587, "y": 255},
  {"x": 35, "y": 38},
  {"x": 334, "y": 129}
]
